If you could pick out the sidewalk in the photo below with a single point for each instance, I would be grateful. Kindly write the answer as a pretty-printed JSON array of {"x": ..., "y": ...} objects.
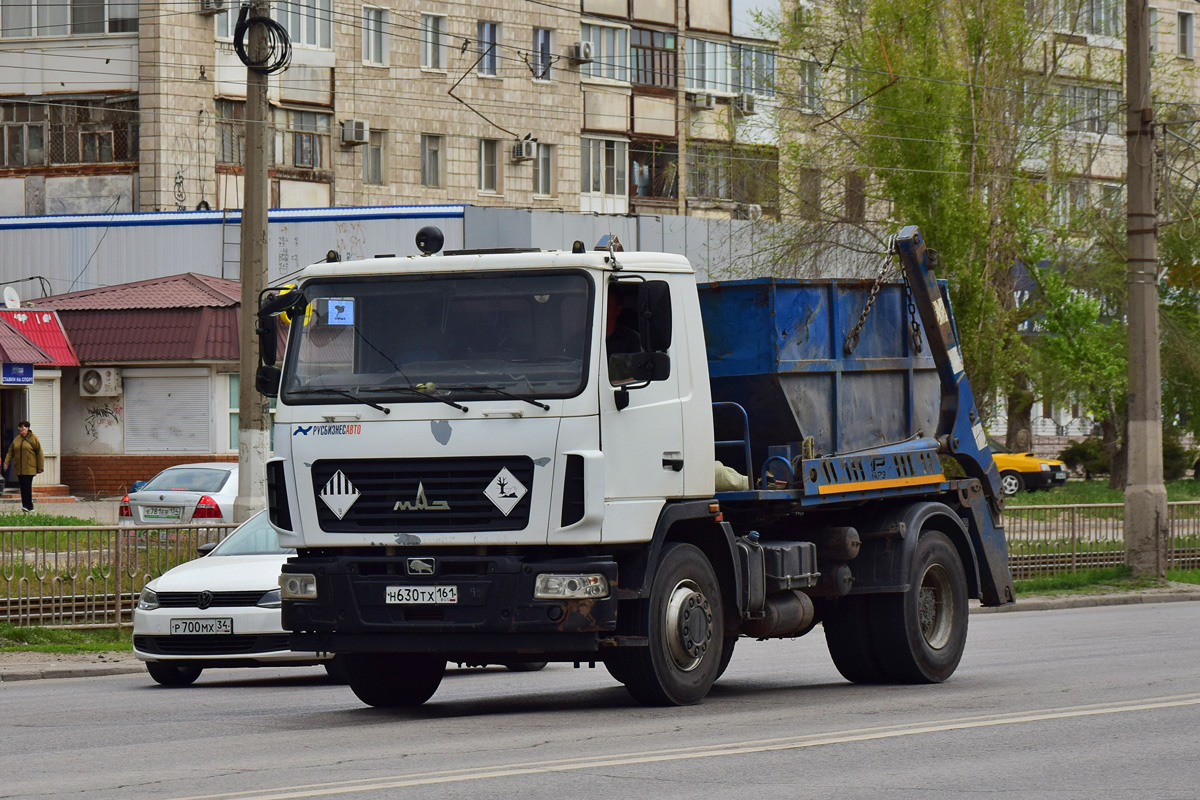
[{"x": 36, "y": 666}]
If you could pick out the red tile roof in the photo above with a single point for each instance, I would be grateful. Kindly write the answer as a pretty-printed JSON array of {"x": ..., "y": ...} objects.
[
  {"x": 144, "y": 335},
  {"x": 188, "y": 317},
  {"x": 43, "y": 328},
  {"x": 16, "y": 349},
  {"x": 189, "y": 290}
]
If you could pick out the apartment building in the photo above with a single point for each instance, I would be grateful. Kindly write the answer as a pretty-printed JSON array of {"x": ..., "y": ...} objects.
[{"x": 111, "y": 106}]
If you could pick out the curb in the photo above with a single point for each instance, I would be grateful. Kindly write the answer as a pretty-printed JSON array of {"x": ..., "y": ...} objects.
[
  {"x": 1089, "y": 601},
  {"x": 40, "y": 673}
]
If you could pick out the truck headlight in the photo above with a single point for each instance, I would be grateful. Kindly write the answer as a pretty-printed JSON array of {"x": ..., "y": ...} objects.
[
  {"x": 569, "y": 587},
  {"x": 148, "y": 600},
  {"x": 297, "y": 586}
]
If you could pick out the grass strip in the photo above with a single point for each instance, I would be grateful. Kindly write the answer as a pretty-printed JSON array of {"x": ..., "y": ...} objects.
[{"x": 15, "y": 638}]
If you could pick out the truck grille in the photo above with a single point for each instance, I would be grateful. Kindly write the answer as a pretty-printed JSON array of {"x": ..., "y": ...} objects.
[{"x": 426, "y": 495}]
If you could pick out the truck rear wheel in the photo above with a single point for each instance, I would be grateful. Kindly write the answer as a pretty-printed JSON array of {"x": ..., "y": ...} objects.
[
  {"x": 851, "y": 644},
  {"x": 683, "y": 620},
  {"x": 393, "y": 680},
  {"x": 920, "y": 634}
]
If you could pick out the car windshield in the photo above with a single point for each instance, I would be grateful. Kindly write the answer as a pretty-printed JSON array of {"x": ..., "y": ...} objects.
[
  {"x": 254, "y": 537},
  {"x": 188, "y": 479},
  {"x": 426, "y": 339}
]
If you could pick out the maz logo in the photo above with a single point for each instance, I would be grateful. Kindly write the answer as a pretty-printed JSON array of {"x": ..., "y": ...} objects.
[
  {"x": 422, "y": 503},
  {"x": 420, "y": 566}
]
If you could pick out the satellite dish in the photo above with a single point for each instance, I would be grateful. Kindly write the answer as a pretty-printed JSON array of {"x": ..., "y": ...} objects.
[{"x": 11, "y": 298}]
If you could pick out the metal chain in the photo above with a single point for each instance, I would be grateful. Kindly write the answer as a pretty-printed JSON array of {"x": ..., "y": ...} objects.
[
  {"x": 918, "y": 345},
  {"x": 852, "y": 337}
]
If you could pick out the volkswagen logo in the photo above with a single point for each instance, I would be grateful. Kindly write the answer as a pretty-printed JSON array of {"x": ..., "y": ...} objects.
[
  {"x": 205, "y": 599},
  {"x": 421, "y": 566}
]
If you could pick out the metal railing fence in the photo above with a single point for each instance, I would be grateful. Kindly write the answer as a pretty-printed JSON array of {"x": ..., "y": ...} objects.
[
  {"x": 89, "y": 575},
  {"x": 92, "y": 575}
]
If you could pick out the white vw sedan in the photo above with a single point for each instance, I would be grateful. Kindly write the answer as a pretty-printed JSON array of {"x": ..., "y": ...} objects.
[{"x": 221, "y": 610}]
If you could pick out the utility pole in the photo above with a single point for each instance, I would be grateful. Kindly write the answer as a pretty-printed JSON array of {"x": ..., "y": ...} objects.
[
  {"x": 1145, "y": 494},
  {"x": 253, "y": 413}
]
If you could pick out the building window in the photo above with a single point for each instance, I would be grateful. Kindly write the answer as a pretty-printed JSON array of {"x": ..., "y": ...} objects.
[
  {"x": 809, "y": 85},
  {"x": 856, "y": 197},
  {"x": 1184, "y": 34},
  {"x": 374, "y": 38},
  {"x": 610, "y": 53},
  {"x": 488, "y": 48},
  {"x": 67, "y": 17},
  {"x": 653, "y": 54},
  {"x": 1153, "y": 29},
  {"x": 655, "y": 169},
  {"x": 231, "y": 132},
  {"x": 92, "y": 132},
  {"x": 810, "y": 194},
  {"x": 431, "y": 160},
  {"x": 542, "y": 54},
  {"x": 543, "y": 175},
  {"x": 302, "y": 138},
  {"x": 1101, "y": 17},
  {"x": 604, "y": 165},
  {"x": 375, "y": 158},
  {"x": 1091, "y": 108},
  {"x": 489, "y": 165},
  {"x": 730, "y": 68},
  {"x": 24, "y": 134},
  {"x": 235, "y": 417},
  {"x": 710, "y": 174},
  {"x": 433, "y": 41},
  {"x": 308, "y": 22}
]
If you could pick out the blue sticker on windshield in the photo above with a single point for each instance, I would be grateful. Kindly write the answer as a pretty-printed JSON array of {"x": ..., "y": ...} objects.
[{"x": 340, "y": 311}]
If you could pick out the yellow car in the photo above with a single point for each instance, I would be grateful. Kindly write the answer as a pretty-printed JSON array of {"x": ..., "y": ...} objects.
[{"x": 1025, "y": 471}]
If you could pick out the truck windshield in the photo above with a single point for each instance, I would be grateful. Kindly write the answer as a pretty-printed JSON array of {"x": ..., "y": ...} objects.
[{"x": 426, "y": 339}]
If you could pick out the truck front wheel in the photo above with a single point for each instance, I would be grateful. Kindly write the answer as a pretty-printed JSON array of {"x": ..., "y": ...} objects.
[
  {"x": 683, "y": 621},
  {"x": 393, "y": 680}
]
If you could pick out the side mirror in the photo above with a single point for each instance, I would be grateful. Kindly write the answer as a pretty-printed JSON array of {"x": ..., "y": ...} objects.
[
  {"x": 206, "y": 548},
  {"x": 268, "y": 338},
  {"x": 654, "y": 316},
  {"x": 266, "y": 380},
  {"x": 639, "y": 367}
]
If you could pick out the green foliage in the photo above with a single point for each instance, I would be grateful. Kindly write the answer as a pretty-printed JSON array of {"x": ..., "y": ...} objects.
[
  {"x": 1184, "y": 575},
  {"x": 1091, "y": 581},
  {"x": 40, "y": 519},
  {"x": 1088, "y": 455},
  {"x": 1177, "y": 459}
]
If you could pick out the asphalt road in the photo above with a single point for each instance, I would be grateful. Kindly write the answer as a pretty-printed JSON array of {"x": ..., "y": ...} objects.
[{"x": 1086, "y": 703}]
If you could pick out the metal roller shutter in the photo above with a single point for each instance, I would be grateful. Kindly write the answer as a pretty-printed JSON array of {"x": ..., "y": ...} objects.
[
  {"x": 42, "y": 402},
  {"x": 168, "y": 415}
]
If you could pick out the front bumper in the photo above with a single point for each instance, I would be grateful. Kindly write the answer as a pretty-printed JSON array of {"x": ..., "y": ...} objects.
[
  {"x": 257, "y": 638},
  {"x": 495, "y": 610},
  {"x": 1044, "y": 480}
]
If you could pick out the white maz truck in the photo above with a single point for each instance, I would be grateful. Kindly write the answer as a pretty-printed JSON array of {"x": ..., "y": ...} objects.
[{"x": 584, "y": 456}]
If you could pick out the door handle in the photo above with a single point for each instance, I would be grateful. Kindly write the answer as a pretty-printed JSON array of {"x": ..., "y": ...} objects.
[{"x": 673, "y": 461}]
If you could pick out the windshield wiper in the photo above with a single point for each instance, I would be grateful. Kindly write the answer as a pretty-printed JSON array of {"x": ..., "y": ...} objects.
[
  {"x": 344, "y": 393},
  {"x": 419, "y": 393},
  {"x": 499, "y": 391}
]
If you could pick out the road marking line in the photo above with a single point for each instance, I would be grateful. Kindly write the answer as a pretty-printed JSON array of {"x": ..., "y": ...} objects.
[{"x": 705, "y": 751}]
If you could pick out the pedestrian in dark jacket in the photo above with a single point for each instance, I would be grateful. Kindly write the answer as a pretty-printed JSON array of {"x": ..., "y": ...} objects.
[{"x": 25, "y": 455}]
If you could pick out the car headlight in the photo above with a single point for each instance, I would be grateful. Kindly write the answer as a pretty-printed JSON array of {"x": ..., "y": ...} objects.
[
  {"x": 1045, "y": 467},
  {"x": 298, "y": 586},
  {"x": 148, "y": 600},
  {"x": 271, "y": 599},
  {"x": 570, "y": 587}
]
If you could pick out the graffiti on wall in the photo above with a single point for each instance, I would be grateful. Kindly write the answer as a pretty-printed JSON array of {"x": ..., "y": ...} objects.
[{"x": 103, "y": 414}]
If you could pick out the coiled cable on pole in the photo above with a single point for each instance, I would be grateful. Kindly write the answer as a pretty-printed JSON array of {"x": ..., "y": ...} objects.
[{"x": 278, "y": 51}]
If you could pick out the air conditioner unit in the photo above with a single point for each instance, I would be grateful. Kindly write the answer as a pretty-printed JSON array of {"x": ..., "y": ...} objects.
[
  {"x": 355, "y": 131},
  {"x": 99, "y": 382},
  {"x": 744, "y": 105},
  {"x": 704, "y": 102},
  {"x": 748, "y": 211},
  {"x": 213, "y": 6},
  {"x": 581, "y": 52},
  {"x": 524, "y": 150}
]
